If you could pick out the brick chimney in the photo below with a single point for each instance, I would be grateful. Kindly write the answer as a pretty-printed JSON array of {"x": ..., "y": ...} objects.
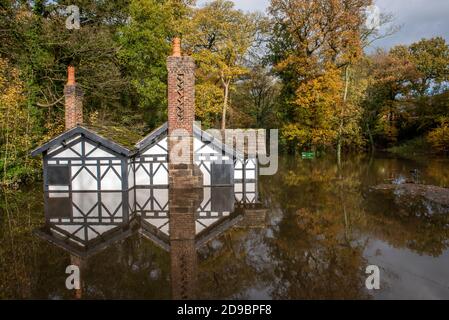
[
  {"x": 183, "y": 173},
  {"x": 181, "y": 90},
  {"x": 73, "y": 101}
]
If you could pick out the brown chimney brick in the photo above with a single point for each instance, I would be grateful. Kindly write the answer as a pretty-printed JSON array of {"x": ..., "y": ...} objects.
[{"x": 73, "y": 101}]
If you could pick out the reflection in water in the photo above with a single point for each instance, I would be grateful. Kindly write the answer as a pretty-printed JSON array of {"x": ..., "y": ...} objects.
[
  {"x": 179, "y": 221},
  {"x": 324, "y": 225}
]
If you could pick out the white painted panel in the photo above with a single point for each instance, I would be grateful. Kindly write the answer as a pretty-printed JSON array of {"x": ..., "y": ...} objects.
[
  {"x": 160, "y": 178},
  {"x": 238, "y": 165},
  {"x": 142, "y": 178},
  {"x": 200, "y": 148},
  {"x": 251, "y": 164},
  {"x": 70, "y": 229},
  {"x": 52, "y": 162},
  {"x": 250, "y": 174},
  {"x": 238, "y": 174},
  {"x": 84, "y": 181},
  {"x": 250, "y": 187},
  {"x": 58, "y": 188},
  {"x": 165, "y": 229},
  {"x": 155, "y": 150},
  {"x": 206, "y": 174},
  {"x": 157, "y": 222},
  {"x": 131, "y": 200},
  {"x": 130, "y": 177},
  {"x": 66, "y": 154},
  {"x": 77, "y": 148},
  {"x": 103, "y": 169},
  {"x": 199, "y": 227},
  {"x": 111, "y": 201},
  {"x": 88, "y": 147},
  {"x": 100, "y": 153},
  {"x": 142, "y": 196},
  {"x": 161, "y": 196},
  {"x": 102, "y": 228},
  {"x": 163, "y": 143},
  {"x": 118, "y": 169},
  {"x": 238, "y": 187},
  {"x": 208, "y": 222},
  {"x": 111, "y": 182},
  {"x": 251, "y": 197},
  {"x": 206, "y": 198},
  {"x": 58, "y": 195},
  {"x": 85, "y": 201}
]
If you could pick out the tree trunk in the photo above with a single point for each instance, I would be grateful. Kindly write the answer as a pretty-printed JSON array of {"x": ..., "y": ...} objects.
[{"x": 225, "y": 105}]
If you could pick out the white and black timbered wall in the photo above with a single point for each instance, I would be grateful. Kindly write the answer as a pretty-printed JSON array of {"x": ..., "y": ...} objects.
[
  {"x": 151, "y": 165},
  {"x": 81, "y": 165},
  {"x": 83, "y": 217}
]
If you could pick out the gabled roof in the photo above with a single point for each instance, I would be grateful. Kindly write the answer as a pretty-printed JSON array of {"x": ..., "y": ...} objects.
[
  {"x": 102, "y": 135},
  {"x": 162, "y": 132}
]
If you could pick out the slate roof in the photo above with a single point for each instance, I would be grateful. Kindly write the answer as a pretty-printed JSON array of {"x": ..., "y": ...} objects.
[
  {"x": 113, "y": 138},
  {"x": 123, "y": 141}
]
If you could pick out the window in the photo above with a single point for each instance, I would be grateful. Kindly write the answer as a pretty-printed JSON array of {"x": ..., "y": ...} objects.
[
  {"x": 58, "y": 175},
  {"x": 222, "y": 199},
  {"x": 222, "y": 174},
  {"x": 59, "y": 208}
]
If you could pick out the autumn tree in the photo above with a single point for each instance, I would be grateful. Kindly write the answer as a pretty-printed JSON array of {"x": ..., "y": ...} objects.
[
  {"x": 219, "y": 37},
  {"x": 311, "y": 40},
  {"x": 15, "y": 122}
]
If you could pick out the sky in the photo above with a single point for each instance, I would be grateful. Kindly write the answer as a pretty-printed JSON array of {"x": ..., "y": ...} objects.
[{"x": 417, "y": 18}]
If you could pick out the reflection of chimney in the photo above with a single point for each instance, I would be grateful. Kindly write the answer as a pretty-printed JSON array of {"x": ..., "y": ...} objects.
[
  {"x": 81, "y": 264},
  {"x": 183, "y": 256},
  {"x": 73, "y": 101},
  {"x": 183, "y": 172}
]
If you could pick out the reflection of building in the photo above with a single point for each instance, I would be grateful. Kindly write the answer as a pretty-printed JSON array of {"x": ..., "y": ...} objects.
[{"x": 178, "y": 220}]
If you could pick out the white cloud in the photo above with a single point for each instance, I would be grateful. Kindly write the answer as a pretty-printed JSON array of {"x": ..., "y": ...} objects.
[{"x": 417, "y": 18}]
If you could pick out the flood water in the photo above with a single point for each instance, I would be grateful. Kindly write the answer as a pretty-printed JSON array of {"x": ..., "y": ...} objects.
[{"x": 316, "y": 229}]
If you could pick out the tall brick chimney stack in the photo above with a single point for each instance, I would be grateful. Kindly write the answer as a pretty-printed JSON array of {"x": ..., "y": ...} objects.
[
  {"x": 181, "y": 90},
  {"x": 73, "y": 101},
  {"x": 183, "y": 173}
]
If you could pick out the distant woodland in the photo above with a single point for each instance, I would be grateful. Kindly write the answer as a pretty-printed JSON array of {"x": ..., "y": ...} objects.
[{"x": 303, "y": 67}]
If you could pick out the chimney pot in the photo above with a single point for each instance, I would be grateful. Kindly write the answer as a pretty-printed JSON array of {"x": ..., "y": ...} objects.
[
  {"x": 176, "y": 47},
  {"x": 71, "y": 75}
]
